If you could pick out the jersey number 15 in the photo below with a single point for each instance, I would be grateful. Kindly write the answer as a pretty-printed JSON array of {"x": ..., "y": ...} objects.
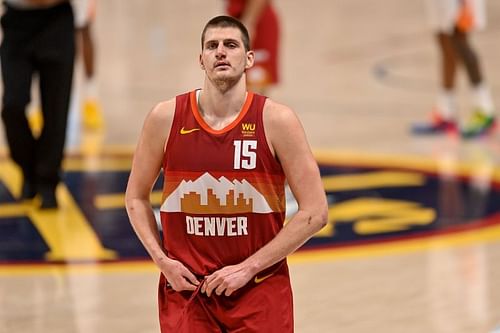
[{"x": 245, "y": 154}]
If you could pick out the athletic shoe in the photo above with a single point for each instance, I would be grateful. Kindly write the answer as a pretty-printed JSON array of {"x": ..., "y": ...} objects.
[
  {"x": 92, "y": 115},
  {"x": 437, "y": 125},
  {"x": 479, "y": 124},
  {"x": 48, "y": 198}
]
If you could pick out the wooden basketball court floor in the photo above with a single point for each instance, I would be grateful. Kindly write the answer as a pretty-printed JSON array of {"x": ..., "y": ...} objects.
[{"x": 413, "y": 243}]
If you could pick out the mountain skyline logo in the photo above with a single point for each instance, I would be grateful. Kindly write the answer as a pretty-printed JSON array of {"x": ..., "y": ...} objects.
[{"x": 207, "y": 194}]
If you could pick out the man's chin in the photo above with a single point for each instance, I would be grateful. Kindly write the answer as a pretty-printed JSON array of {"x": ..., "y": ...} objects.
[
  {"x": 225, "y": 82},
  {"x": 225, "y": 77}
]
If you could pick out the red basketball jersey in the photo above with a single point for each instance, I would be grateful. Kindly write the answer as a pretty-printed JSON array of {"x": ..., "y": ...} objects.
[{"x": 223, "y": 193}]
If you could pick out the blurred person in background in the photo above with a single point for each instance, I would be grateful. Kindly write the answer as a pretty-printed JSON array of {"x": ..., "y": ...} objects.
[
  {"x": 38, "y": 38},
  {"x": 453, "y": 21},
  {"x": 84, "y": 96},
  {"x": 261, "y": 20}
]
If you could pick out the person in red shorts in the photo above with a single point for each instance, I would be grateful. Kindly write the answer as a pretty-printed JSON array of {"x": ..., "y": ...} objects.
[
  {"x": 225, "y": 154},
  {"x": 262, "y": 22}
]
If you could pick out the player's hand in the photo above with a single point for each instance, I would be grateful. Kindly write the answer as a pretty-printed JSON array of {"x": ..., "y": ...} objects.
[
  {"x": 178, "y": 276},
  {"x": 226, "y": 280}
]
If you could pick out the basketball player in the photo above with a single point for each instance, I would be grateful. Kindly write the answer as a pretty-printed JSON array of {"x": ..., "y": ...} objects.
[
  {"x": 225, "y": 153},
  {"x": 454, "y": 20},
  {"x": 262, "y": 23}
]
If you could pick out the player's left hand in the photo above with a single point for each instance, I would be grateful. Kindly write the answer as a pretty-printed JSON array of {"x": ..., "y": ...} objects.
[{"x": 226, "y": 280}]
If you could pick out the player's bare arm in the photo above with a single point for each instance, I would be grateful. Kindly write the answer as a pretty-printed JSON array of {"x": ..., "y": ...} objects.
[
  {"x": 146, "y": 166},
  {"x": 287, "y": 139}
]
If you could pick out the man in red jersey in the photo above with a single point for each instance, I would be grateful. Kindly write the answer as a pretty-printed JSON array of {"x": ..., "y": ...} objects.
[
  {"x": 225, "y": 153},
  {"x": 262, "y": 22}
]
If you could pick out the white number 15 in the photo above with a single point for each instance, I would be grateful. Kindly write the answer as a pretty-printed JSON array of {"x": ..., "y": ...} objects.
[{"x": 245, "y": 155}]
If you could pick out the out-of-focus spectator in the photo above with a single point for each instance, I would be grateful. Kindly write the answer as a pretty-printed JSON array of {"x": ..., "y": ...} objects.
[
  {"x": 38, "y": 38},
  {"x": 453, "y": 21}
]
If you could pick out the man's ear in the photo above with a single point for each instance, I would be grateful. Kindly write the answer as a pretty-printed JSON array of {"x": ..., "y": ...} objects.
[
  {"x": 250, "y": 59},
  {"x": 202, "y": 66}
]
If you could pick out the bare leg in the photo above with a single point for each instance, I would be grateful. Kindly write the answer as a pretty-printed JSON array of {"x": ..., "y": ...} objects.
[
  {"x": 468, "y": 56},
  {"x": 87, "y": 48},
  {"x": 448, "y": 61}
]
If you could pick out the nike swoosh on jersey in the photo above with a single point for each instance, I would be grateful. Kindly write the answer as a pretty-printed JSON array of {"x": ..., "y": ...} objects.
[
  {"x": 187, "y": 131},
  {"x": 260, "y": 279}
]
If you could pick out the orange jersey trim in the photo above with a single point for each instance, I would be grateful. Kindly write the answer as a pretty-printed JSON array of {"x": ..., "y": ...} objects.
[{"x": 233, "y": 124}]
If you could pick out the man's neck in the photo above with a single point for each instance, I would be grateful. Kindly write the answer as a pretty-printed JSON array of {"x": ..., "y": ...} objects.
[
  {"x": 219, "y": 108},
  {"x": 222, "y": 102}
]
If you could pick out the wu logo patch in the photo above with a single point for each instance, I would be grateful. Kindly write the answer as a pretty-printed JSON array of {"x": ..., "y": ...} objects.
[{"x": 248, "y": 129}]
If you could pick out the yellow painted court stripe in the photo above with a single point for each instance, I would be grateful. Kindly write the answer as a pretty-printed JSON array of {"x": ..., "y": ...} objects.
[
  {"x": 102, "y": 164},
  {"x": 372, "y": 180},
  {"x": 412, "y": 162},
  {"x": 346, "y": 157},
  {"x": 117, "y": 200},
  {"x": 109, "y": 149},
  {"x": 15, "y": 209},
  {"x": 67, "y": 232},
  {"x": 484, "y": 235},
  {"x": 11, "y": 177}
]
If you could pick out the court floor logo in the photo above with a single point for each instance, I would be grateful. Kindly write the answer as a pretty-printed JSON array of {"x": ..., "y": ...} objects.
[{"x": 389, "y": 200}]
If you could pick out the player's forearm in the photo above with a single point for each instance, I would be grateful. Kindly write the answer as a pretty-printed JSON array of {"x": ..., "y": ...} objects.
[
  {"x": 294, "y": 234},
  {"x": 144, "y": 224}
]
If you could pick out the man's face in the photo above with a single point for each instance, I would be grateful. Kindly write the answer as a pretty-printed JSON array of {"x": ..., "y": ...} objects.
[{"x": 223, "y": 55}]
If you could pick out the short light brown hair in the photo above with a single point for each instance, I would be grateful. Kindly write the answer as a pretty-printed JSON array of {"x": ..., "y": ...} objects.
[{"x": 224, "y": 21}]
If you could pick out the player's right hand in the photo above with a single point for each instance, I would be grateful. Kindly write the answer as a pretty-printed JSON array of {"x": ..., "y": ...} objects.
[{"x": 178, "y": 276}]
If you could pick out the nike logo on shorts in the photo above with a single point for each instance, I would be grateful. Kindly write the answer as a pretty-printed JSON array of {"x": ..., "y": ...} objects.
[{"x": 260, "y": 279}]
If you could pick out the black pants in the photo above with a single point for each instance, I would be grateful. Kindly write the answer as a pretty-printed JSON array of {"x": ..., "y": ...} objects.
[{"x": 37, "y": 41}]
